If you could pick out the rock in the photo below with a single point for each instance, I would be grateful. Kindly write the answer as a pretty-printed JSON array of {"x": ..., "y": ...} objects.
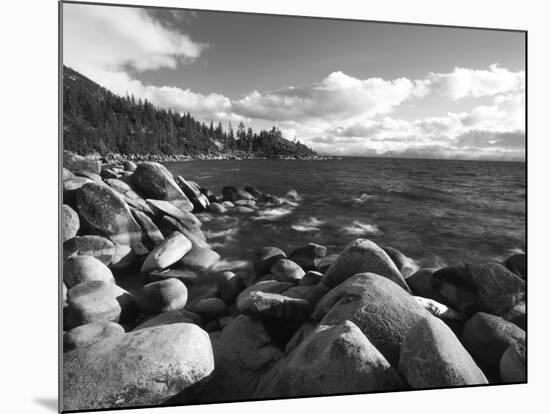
[
  {"x": 233, "y": 194},
  {"x": 513, "y": 364},
  {"x": 209, "y": 308},
  {"x": 80, "y": 269},
  {"x": 129, "y": 165},
  {"x": 200, "y": 259},
  {"x": 166, "y": 207},
  {"x": 487, "y": 336},
  {"x": 193, "y": 193},
  {"x": 267, "y": 286},
  {"x": 243, "y": 352},
  {"x": 99, "y": 247},
  {"x": 125, "y": 256},
  {"x": 433, "y": 357},
  {"x": 406, "y": 265},
  {"x": 362, "y": 256},
  {"x": 141, "y": 368},
  {"x": 229, "y": 286},
  {"x": 254, "y": 192},
  {"x": 147, "y": 225},
  {"x": 438, "y": 309},
  {"x": 70, "y": 223},
  {"x": 243, "y": 210},
  {"x": 70, "y": 186},
  {"x": 311, "y": 278},
  {"x": 168, "y": 318},
  {"x": 227, "y": 204},
  {"x": 209, "y": 195},
  {"x": 264, "y": 258},
  {"x": 96, "y": 178},
  {"x": 326, "y": 262},
  {"x": 309, "y": 257},
  {"x": 106, "y": 212},
  {"x": 96, "y": 301},
  {"x": 292, "y": 195},
  {"x": 517, "y": 315},
  {"x": 517, "y": 264},
  {"x": 225, "y": 321},
  {"x": 286, "y": 270},
  {"x": 154, "y": 181},
  {"x": 420, "y": 283},
  {"x": 245, "y": 203},
  {"x": 66, "y": 174},
  {"x": 331, "y": 360},
  {"x": 162, "y": 296},
  {"x": 217, "y": 208},
  {"x": 380, "y": 308},
  {"x": 168, "y": 225},
  {"x": 273, "y": 305},
  {"x": 129, "y": 195},
  {"x": 89, "y": 334},
  {"x": 167, "y": 253},
  {"x": 119, "y": 185},
  {"x": 76, "y": 162},
  {"x": 188, "y": 277},
  {"x": 488, "y": 287},
  {"x": 107, "y": 173}
]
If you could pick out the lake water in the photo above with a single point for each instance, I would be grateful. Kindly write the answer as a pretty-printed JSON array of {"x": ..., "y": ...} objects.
[{"x": 438, "y": 212}]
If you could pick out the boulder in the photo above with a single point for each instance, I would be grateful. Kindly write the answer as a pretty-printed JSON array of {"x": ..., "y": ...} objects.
[
  {"x": 150, "y": 228},
  {"x": 331, "y": 360},
  {"x": 471, "y": 288},
  {"x": 141, "y": 368},
  {"x": 379, "y": 307},
  {"x": 96, "y": 178},
  {"x": 264, "y": 258},
  {"x": 105, "y": 212},
  {"x": 125, "y": 256},
  {"x": 517, "y": 315},
  {"x": 217, "y": 208},
  {"x": 99, "y": 247},
  {"x": 86, "y": 335},
  {"x": 168, "y": 225},
  {"x": 233, "y": 194},
  {"x": 487, "y": 336},
  {"x": 309, "y": 257},
  {"x": 75, "y": 162},
  {"x": 154, "y": 181},
  {"x": 273, "y": 305},
  {"x": 168, "y": 318},
  {"x": 80, "y": 269},
  {"x": 243, "y": 210},
  {"x": 229, "y": 286},
  {"x": 326, "y": 262},
  {"x": 171, "y": 250},
  {"x": 227, "y": 204},
  {"x": 405, "y": 264},
  {"x": 193, "y": 193},
  {"x": 311, "y": 278},
  {"x": 286, "y": 270},
  {"x": 162, "y": 296},
  {"x": 513, "y": 364},
  {"x": 254, "y": 192},
  {"x": 99, "y": 301},
  {"x": 129, "y": 165},
  {"x": 200, "y": 259},
  {"x": 420, "y": 283},
  {"x": 187, "y": 276},
  {"x": 245, "y": 203},
  {"x": 70, "y": 187},
  {"x": 66, "y": 174},
  {"x": 432, "y": 357},
  {"x": 107, "y": 173},
  {"x": 362, "y": 256},
  {"x": 161, "y": 207},
  {"x": 517, "y": 264},
  {"x": 209, "y": 308},
  {"x": 70, "y": 223},
  {"x": 243, "y": 352},
  {"x": 438, "y": 309}
]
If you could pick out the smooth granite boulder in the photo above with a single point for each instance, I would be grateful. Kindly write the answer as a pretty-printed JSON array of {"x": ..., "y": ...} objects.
[
  {"x": 129, "y": 165},
  {"x": 286, "y": 270},
  {"x": 517, "y": 264},
  {"x": 86, "y": 335},
  {"x": 75, "y": 162},
  {"x": 149, "y": 228},
  {"x": 70, "y": 187},
  {"x": 170, "y": 251},
  {"x": 331, "y": 360},
  {"x": 432, "y": 356},
  {"x": 264, "y": 258},
  {"x": 99, "y": 247},
  {"x": 362, "y": 256},
  {"x": 80, "y": 269},
  {"x": 168, "y": 318},
  {"x": 200, "y": 259},
  {"x": 161, "y": 207},
  {"x": 517, "y": 315},
  {"x": 141, "y": 368},
  {"x": 405, "y": 264},
  {"x": 309, "y": 257},
  {"x": 70, "y": 223},
  {"x": 154, "y": 181},
  {"x": 421, "y": 284},
  {"x": 487, "y": 287},
  {"x": 311, "y": 278},
  {"x": 162, "y": 296},
  {"x": 217, "y": 208},
  {"x": 513, "y": 364}
]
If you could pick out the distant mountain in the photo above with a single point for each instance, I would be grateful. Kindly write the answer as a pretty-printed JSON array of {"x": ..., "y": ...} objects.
[{"x": 96, "y": 120}]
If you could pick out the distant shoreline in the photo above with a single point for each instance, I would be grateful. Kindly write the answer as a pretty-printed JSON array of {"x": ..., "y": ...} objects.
[{"x": 205, "y": 157}]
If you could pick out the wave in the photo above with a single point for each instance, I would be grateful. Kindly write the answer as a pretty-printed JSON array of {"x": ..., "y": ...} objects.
[
  {"x": 357, "y": 229},
  {"x": 364, "y": 197},
  {"x": 226, "y": 234},
  {"x": 272, "y": 214},
  {"x": 309, "y": 224}
]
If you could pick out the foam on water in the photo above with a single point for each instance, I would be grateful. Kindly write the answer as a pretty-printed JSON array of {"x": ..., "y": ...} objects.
[
  {"x": 309, "y": 224},
  {"x": 358, "y": 228},
  {"x": 363, "y": 198},
  {"x": 272, "y": 214}
]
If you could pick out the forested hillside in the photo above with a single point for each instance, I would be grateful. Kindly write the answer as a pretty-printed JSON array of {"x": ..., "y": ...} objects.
[{"x": 98, "y": 121}]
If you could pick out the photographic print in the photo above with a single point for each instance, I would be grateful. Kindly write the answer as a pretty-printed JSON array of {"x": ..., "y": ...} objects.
[{"x": 271, "y": 206}]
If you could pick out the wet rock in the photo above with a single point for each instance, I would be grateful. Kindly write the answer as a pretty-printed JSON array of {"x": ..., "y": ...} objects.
[
  {"x": 86, "y": 335},
  {"x": 513, "y": 364},
  {"x": 200, "y": 259},
  {"x": 147, "y": 225},
  {"x": 254, "y": 192},
  {"x": 141, "y": 368},
  {"x": 487, "y": 336},
  {"x": 229, "y": 286},
  {"x": 99, "y": 247},
  {"x": 380, "y": 308},
  {"x": 107, "y": 173},
  {"x": 162, "y": 296},
  {"x": 75, "y": 162},
  {"x": 286, "y": 270},
  {"x": 331, "y": 360},
  {"x": 517, "y": 315},
  {"x": 217, "y": 208},
  {"x": 168, "y": 318},
  {"x": 170, "y": 251},
  {"x": 488, "y": 287},
  {"x": 517, "y": 264},
  {"x": 432, "y": 356},
  {"x": 209, "y": 308},
  {"x": 420, "y": 283},
  {"x": 438, "y": 309},
  {"x": 311, "y": 278},
  {"x": 227, "y": 204},
  {"x": 362, "y": 256},
  {"x": 70, "y": 223},
  {"x": 309, "y": 257},
  {"x": 264, "y": 258},
  {"x": 99, "y": 301},
  {"x": 243, "y": 210},
  {"x": 104, "y": 211},
  {"x": 80, "y": 269},
  {"x": 406, "y": 265}
]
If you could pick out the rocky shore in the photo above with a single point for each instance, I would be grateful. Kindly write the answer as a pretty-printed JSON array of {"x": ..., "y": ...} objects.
[{"x": 153, "y": 316}]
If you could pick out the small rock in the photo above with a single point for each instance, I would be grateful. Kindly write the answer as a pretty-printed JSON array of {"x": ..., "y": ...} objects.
[
  {"x": 162, "y": 296},
  {"x": 245, "y": 203},
  {"x": 89, "y": 334},
  {"x": 513, "y": 364},
  {"x": 273, "y": 305},
  {"x": 80, "y": 269},
  {"x": 309, "y": 257},
  {"x": 70, "y": 223},
  {"x": 243, "y": 210},
  {"x": 209, "y": 308},
  {"x": 129, "y": 165},
  {"x": 286, "y": 270},
  {"x": 227, "y": 204},
  {"x": 217, "y": 208},
  {"x": 264, "y": 258},
  {"x": 171, "y": 250},
  {"x": 187, "y": 276}
]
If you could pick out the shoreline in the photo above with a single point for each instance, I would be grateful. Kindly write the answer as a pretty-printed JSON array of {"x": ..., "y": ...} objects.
[{"x": 236, "y": 156}]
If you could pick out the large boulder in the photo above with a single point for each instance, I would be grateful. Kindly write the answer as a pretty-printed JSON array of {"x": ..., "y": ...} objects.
[
  {"x": 379, "y": 307},
  {"x": 517, "y": 264},
  {"x": 71, "y": 186},
  {"x": 286, "y": 270},
  {"x": 420, "y": 283},
  {"x": 80, "y": 269},
  {"x": 200, "y": 259},
  {"x": 130, "y": 196},
  {"x": 309, "y": 257},
  {"x": 487, "y": 336},
  {"x": 361, "y": 256},
  {"x": 471, "y": 288},
  {"x": 167, "y": 225},
  {"x": 171, "y": 250},
  {"x": 439, "y": 309},
  {"x": 193, "y": 193},
  {"x": 168, "y": 318},
  {"x": 105, "y": 212},
  {"x": 243, "y": 353},
  {"x": 517, "y": 315},
  {"x": 162, "y": 296},
  {"x": 99, "y": 301},
  {"x": 74, "y": 162},
  {"x": 99, "y": 247},
  {"x": 70, "y": 223},
  {"x": 513, "y": 364},
  {"x": 129, "y": 165},
  {"x": 161, "y": 207},
  {"x": 141, "y": 368},
  {"x": 154, "y": 181},
  {"x": 264, "y": 258},
  {"x": 89, "y": 334},
  {"x": 331, "y": 360},
  {"x": 432, "y": 356},
  {"x": 273, "y": 305},
  {"x": 149, "y": 228},
  {"x": 229, "y": 286},
  {"x": 405, "y": 264}
]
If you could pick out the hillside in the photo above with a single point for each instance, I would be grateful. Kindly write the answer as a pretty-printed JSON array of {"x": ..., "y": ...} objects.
[{"x": 97, "y": 121}]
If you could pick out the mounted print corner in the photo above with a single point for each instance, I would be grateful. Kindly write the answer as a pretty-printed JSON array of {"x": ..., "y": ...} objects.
[{"x": 269, "y": 206}]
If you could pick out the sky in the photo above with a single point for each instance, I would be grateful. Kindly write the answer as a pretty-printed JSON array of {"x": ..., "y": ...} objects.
[{"x": 342, "y": 87}]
